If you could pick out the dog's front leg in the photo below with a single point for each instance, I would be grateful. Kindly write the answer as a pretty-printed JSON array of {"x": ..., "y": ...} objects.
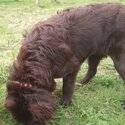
[{"x": 68, "y": 87}]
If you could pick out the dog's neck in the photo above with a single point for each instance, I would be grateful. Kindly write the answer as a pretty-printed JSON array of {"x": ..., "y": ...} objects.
[
  {"x": 26, "y": 85},
  {"x": 22, "y": 84},
  {"x": 29, "y": 85}
]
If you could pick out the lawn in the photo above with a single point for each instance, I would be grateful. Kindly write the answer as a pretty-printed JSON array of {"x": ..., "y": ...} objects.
[{"x": 97, "y": 103}]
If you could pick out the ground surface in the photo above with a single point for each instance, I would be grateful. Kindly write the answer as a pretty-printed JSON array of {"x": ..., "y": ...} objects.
[{"x": 98, "y": 103}]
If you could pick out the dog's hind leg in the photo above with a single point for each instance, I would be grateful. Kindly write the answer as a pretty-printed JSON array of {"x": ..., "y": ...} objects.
[
  {"x": 93, "y": 62},
  {"x": 119, "y": 63},
  {"x": 68, "y": 87}
]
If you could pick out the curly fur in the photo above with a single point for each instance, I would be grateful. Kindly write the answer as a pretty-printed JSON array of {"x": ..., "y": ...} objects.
[{"x": 30, "y": 106}]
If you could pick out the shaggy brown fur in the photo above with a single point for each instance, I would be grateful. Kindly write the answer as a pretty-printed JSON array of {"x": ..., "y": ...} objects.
[
  {"x": 57, "y": 47},
  {"x": 30, "y": 106}
]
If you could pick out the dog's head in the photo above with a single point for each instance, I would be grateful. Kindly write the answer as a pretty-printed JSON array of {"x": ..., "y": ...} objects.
[{"x": 30, "y": 106}]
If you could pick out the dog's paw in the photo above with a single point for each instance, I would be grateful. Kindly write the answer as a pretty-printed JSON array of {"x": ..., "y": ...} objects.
[{"x": 65, "y": 102}]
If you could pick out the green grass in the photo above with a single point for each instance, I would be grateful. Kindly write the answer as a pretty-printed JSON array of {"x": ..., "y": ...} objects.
[{"x": 97, "y": 103}]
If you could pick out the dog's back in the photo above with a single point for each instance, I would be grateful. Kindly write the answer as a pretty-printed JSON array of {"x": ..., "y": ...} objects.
[{"x": 91, "y": 27}]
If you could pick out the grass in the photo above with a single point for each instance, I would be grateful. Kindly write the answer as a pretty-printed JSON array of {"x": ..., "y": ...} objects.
[{"x": 97, "y": 103}]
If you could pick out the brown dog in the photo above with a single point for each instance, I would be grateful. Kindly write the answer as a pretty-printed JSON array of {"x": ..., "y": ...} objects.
[{"x": 57, "y": 47}]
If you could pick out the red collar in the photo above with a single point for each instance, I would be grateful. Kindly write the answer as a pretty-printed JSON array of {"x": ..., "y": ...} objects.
[{"x": 25, "y": 85}]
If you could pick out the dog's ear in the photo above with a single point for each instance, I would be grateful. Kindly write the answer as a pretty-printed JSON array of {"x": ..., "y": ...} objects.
[{"x": 12, "y": 96}]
